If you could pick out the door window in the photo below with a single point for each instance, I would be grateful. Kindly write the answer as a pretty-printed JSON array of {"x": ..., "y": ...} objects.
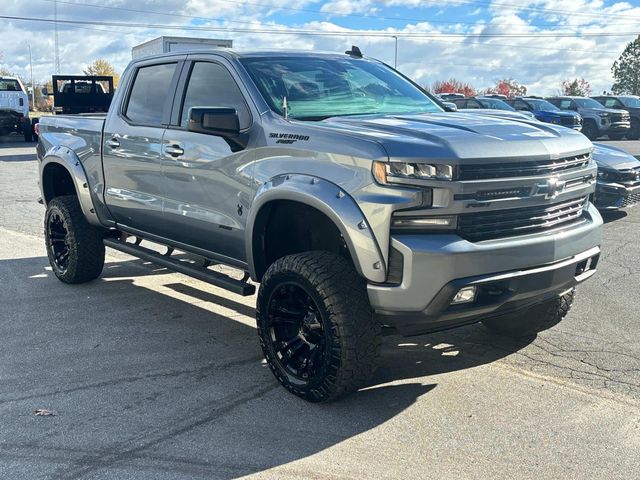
[
  {"x": 149, "y": 93},
  {"x": 521, "y": 105},
  {"x": 211, "y": 85}
]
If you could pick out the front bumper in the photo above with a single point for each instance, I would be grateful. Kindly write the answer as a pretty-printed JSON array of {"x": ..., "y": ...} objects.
[
  {"x": 615, "y": 127},
  {"x": 614, "y": 196},
  {"x": 510, "y": 274}
]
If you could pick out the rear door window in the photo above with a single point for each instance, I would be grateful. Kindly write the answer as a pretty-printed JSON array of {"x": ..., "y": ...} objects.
[{"x": 148, "y": 94}]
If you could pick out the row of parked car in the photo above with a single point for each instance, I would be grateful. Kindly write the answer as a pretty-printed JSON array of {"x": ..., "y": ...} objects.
[
  {"x": 618, "y": 182},
  {"x": 617, "y": 117}
]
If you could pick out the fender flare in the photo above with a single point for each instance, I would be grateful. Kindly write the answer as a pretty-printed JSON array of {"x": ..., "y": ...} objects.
[
  {"x": 336, "y": 204},
  {"x": 68, "y": 159}
]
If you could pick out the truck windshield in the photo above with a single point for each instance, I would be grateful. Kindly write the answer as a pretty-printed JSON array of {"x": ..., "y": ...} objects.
[
  {"x": 9, "y": 85},
  {"x": 542, "y": 105},
  {"x": 632, "y": 102},
  {"x": 319, "y": 88},
  {"x": 587, "y": 103},
  {"x": 495, "y": 104}
]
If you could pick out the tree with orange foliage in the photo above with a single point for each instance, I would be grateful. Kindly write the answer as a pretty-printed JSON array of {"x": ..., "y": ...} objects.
[{"x": 453, "y": 86}]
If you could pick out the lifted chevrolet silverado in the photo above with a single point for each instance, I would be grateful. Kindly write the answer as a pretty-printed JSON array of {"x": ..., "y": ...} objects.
[{"x": 339, "y": 186}]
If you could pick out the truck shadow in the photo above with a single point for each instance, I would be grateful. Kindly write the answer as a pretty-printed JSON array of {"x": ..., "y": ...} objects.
[{"x": 150, "y": 375}]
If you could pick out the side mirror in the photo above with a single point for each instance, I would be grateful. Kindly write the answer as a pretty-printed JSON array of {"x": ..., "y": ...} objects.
[
  {"x": 450, "y": 107},
  {"x": 219, "y": 121}
]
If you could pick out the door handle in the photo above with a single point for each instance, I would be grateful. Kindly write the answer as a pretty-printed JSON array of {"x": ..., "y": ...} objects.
[
  {"x": 174, "y": 150},
  {"x": 113, "y": 143}
]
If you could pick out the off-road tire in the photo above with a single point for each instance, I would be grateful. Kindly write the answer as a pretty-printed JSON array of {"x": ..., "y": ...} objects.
[
  {"x": 84, "y": 242},
  {"x": 536, "y": 319},
  {"x": 590, "y": 130},
  {"x": 351, "y": 335}
]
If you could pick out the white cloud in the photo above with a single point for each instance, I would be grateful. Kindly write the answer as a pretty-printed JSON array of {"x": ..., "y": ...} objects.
[{"x": 540, "y": 63}]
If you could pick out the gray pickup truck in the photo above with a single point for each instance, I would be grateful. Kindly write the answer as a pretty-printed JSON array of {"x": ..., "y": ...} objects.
[{"x": 338, "y": 185}]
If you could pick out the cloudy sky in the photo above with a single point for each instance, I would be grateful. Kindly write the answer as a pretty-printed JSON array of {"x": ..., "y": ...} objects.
[{"x": 538, "y": 42}]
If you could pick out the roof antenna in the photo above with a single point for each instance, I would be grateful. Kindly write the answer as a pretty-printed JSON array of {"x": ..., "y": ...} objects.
[
  {"x": 354, "y": 52},
  {"x": 285, "y": 108}
]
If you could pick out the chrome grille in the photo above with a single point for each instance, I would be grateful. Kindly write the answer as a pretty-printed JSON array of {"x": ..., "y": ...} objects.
[
  {"x": 520, "y": 221},
  {"x": 484, "y": 171}
]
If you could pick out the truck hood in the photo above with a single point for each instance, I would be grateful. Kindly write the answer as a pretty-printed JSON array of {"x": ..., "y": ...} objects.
[
  {"x": 555, "y": 113},
  {"x": 612, "y": 111},
  {"x": 459, "y": 136},
  {"x": 612, "y": 158}
]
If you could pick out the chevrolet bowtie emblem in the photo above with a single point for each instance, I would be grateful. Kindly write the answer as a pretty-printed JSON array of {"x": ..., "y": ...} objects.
[{"x": 552, "y": 188}]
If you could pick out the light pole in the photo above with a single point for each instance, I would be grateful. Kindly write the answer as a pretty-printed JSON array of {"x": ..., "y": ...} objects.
[
  {"x": 33, "y": 87},
  {"x": 55, "y": 38}
]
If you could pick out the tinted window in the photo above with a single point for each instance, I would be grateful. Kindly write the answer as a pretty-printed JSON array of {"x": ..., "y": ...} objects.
[
  {"x": 149, "y": 92},
  {"x": 587, "y": 103},
  {"x": 521, "y": 105},
  {"x": 542, "y": 105},
  {"x": 7, "y": 85},
  {"x": 321, "y": 87},
  {"x": 460, "y": 103},
  {"x": 474, "y": 104},
  {"x": 565, "y": 104},
  {"x": 211, "y": 85},
  {"x": 612, "y": 103}
]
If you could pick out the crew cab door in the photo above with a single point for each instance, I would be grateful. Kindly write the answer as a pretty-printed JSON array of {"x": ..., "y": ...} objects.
[
  {"x": 208, "y": 180},
  {"x": 132, "y": 147}
]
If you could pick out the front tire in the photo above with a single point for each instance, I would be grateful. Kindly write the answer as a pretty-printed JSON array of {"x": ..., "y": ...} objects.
[
  {"x": 316, "y": 327},
  {"x": 634, "y": 134},
  {"x": 590, "y": 130},
  {"x": 74, "y": 247},
  {"x": 536, "y": 319}
]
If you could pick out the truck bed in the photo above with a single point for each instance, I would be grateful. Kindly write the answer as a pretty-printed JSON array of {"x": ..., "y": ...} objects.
[{"x": 80, "y": 133}]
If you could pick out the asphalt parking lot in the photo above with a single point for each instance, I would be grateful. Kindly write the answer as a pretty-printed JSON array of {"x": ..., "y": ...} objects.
[{"x": 153, "y": 375}]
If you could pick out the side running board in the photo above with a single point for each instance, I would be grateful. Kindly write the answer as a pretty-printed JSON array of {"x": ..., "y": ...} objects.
[{"x": 240, "y": 287}]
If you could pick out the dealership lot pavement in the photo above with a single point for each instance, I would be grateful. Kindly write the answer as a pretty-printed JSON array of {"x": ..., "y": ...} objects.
[{"x": 153, "y": 375}]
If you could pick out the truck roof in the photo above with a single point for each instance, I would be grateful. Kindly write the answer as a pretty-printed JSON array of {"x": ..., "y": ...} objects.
[{"x": 227, "y": 52}]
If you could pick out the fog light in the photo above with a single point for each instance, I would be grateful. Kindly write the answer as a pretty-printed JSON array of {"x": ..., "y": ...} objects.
[{"x": 464, "y": 295}]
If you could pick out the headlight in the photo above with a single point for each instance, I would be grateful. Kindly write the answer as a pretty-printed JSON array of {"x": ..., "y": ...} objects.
[
  {"x": 408, "y": 173},
  {"x": 603, "y": 114},
  {"x": 420, "y": 223},
  {"x": 606, "y": 176}
]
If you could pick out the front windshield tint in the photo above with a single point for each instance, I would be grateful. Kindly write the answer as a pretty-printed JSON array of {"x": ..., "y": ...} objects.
[
  {"x": 542, "y": 105},
  {"x": 632, "y": 102},
  {"x": 319, "y": 88},
  {"x": 495, "y": 104},
  {"x": 587, "y": 103}
]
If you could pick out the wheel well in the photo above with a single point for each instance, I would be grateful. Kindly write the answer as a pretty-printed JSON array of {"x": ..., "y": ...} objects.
[
  {"x": 284, "y": 227},
  {"x": 56, "y": 181}
]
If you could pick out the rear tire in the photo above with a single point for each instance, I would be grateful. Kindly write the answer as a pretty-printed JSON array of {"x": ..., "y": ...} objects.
[
  {"x": 536, "y": 319},
  {"x": 74, "y": 247},
  {"x": 316, "y": 327},
  {"x": 590, "y": 130},
  {"x": 27, "y": 130}
]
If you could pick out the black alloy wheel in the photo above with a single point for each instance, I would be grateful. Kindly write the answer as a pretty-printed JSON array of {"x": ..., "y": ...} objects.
[
  {"x": 297, "y": 332},
  {"x": 58, "y": 241}
]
